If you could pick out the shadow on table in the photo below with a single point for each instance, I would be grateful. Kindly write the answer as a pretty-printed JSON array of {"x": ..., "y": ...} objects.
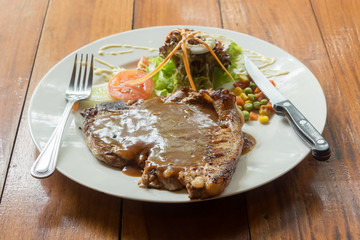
[
  {"x": 289, "y": 205},
  {"x": 283, "y": 203}
]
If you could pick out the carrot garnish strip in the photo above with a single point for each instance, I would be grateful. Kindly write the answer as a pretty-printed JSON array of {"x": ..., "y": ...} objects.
[
  {"x": 158, "y": 68},
  {"x": 217, "y": 59},
  {"x": 187, "y": 67}
]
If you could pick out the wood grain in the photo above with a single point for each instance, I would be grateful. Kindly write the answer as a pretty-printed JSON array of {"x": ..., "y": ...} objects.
[
  {"x": 16, "y": 66},
  {"x": 303, "y": 204},
  {"x": 216, "y": 219},
  {"x": 171, "y": 12},
  {"x": 57, "y": 208},
  {"x": 340, "y": 27},
  {"x": 316, "y": 200},
  {"x": 221, "y": 219}
]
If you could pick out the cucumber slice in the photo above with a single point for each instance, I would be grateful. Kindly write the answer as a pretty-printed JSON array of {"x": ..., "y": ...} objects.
[{"x": 99, "y": 94}]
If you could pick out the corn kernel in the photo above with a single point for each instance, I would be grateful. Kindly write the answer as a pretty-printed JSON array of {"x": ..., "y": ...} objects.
[
  {"x": 244, "y": 96},
  {"x": 264, "y": 119},
  {"x": 264, "y": 110},
  {"x": 237, "y": 91}
]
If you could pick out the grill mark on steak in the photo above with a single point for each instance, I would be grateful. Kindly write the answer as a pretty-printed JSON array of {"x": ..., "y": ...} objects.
[{"x": 189, "y": 139}]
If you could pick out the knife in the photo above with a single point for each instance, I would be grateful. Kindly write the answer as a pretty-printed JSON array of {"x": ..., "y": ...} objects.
[{"x": 319, "y": 147}]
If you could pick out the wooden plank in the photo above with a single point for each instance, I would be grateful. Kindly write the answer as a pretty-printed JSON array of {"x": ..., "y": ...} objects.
[
  {"x": 218, "y": 219},
  {"x": 316, "y": 200},
  {"x": 57, "y": 208},
  {"x": 339, "y": 23},
  {"x": 172, "y": 12},
  {"x": 17, "y": 58},
  {"x": 215, "y": 219},
  {"x": 340, "y": 28}
]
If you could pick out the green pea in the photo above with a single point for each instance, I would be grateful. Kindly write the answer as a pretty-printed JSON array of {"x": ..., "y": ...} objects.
[
  {"x": 246, "y": 115},
  {"x": 252, "y": 97},
  {"x": 248, "y": 90},
  {"x": 252, "y": 85},
  {"x": 248, "y": 106},
  {"x": 257, "y": 105},
  {"x": 263, "y": 101}
]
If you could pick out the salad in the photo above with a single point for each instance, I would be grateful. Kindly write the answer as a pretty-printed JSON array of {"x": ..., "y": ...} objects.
[{"x": 193, "y": 59}]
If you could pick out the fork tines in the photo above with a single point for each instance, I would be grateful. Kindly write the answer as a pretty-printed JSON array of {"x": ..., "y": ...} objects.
[{"x": 81, "y": 83}]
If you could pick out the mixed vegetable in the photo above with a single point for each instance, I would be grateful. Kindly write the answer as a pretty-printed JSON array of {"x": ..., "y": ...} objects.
[{"x": 252, "y": 102}]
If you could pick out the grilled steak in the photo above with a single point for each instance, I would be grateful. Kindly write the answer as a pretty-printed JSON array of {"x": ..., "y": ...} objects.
[{"x": 189, "y": 139}]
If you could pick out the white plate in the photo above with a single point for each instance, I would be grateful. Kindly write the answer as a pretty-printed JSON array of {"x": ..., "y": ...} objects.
[{"x": 277, "y": 151}]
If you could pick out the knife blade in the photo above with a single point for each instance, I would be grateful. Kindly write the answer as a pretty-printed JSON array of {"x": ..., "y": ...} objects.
[{"x": 284, "y": 107}]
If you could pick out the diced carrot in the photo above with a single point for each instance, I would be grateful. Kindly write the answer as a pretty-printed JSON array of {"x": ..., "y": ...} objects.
[
  {"x": 273, "y": 83},
  {"x": 253, "y": 116},
  {"x": 257, "y": 90},
  {"x": 75, "y": 106},
  {"x": 239, "y": 101},
  {"x": 269, "y": 106},
  {"x": 260, "y": 96}
]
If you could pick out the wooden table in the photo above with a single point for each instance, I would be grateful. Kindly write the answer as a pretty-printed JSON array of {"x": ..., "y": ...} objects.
[{"x": 315, "y": 200}]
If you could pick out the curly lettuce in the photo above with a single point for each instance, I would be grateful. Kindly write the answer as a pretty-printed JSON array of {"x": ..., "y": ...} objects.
[{"x": 206, "y": 72}]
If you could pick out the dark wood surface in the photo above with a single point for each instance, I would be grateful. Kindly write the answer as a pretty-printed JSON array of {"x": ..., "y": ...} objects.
[{"x": 315, "y": 200}]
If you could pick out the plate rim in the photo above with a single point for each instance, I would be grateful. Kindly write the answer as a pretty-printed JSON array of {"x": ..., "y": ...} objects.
[{"x": 34, "y": 93}]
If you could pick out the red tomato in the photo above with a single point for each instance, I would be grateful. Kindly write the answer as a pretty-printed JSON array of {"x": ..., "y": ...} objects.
[
  {"x": 119, "y": 89},
  {"x": 143, "y": 64}
]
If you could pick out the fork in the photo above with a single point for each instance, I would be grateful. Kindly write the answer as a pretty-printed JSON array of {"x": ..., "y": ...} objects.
[{"x": 79, "y": 89}]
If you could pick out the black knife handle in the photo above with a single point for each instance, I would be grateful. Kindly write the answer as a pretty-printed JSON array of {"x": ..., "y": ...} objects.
[{"x": 319, "y": 147}]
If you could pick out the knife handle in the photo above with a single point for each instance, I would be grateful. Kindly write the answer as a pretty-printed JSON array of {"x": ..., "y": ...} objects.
[{"x": 319, "y": 146}]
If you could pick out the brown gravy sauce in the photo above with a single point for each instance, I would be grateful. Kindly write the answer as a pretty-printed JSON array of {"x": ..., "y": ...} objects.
[
  {"x": 132, "y": 171},
  {"x": 163, "y": 133},
  {"x": 249, "y": 143}
]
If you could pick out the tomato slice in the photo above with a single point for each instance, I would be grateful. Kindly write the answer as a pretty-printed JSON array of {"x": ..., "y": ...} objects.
[
  {"x": 119, "y": 89},
  {"x": 143, "y": 64}
]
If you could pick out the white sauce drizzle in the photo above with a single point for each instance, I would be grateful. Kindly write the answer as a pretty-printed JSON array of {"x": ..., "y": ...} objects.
[
  {"x": 110, "y": 46},
  {"x": 121, "y": 52},
  {"x": 101, "y": 51},
  {"x": 257, "y": 57},
  {"x": 112, "y": 71},
  {"x": 261, "y": 61},
  {"x": 107, "y": 73},
  {"x": 104, "y": 63},
  {"x": 145, "y": 48}
]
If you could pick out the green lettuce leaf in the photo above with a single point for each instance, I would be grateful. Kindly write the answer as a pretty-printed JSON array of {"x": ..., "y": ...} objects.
[
  {"x": 164, "y": 80},
  {"x": 220, "y": 76}
]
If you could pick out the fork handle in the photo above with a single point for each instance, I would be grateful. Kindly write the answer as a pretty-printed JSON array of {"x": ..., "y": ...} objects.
[{"x": 45, "y": 164}]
